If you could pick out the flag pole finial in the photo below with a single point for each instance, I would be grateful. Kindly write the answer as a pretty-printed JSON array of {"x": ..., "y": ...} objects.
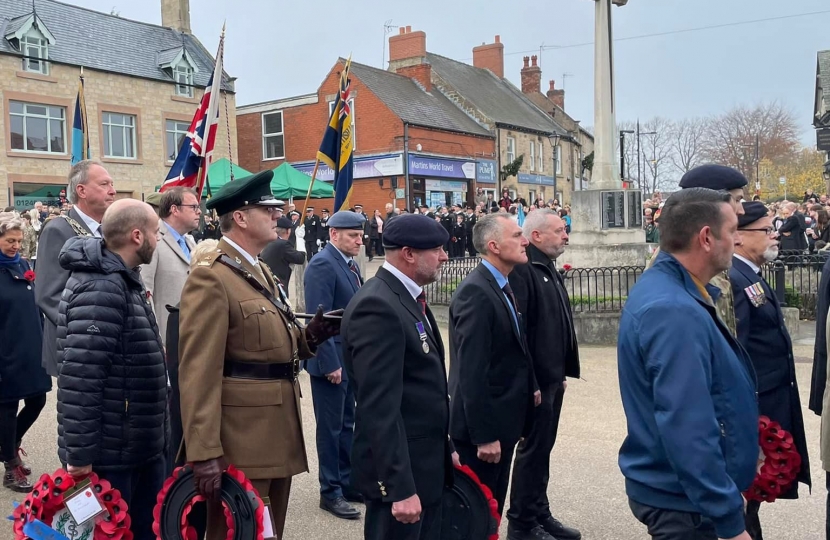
[{"x": 224, "y": 24}]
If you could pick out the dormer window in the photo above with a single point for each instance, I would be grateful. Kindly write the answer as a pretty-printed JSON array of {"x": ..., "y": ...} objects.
[
  {"x": 178, "y": 64},
  {"x": 35, "y": 49},
  {"x": 29, "y": 35},
  {"x": 183, "y": 74}
]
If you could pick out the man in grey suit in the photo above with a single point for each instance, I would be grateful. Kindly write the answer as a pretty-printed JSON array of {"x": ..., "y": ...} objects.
[
  {"x": 164, "y": 277},
  {"x": 91, "y": 192}
]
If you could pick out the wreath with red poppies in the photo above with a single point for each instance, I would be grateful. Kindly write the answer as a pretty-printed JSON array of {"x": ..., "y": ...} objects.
[
  {"x": 45, "y": 503},
  {"x": 778, "y": 462}
]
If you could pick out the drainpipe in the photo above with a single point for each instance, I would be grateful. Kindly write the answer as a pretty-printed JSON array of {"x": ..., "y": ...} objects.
[{"x": 408, "y": 203}]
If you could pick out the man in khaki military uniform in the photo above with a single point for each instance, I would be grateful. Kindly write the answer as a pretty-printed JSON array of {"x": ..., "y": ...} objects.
[
  {"x": 240, "y": 348},
  {"x": 721, "y": 178}
]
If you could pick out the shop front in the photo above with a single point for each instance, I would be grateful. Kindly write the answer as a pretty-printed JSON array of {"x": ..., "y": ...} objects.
[
  {"x": 440, "y": 181},
  {"x": 387, "y": 165},
  {"x": 536, "y": 186}
]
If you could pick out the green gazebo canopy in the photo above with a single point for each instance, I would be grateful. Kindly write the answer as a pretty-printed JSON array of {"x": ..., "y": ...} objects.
[{"x": 288, "y": 182}]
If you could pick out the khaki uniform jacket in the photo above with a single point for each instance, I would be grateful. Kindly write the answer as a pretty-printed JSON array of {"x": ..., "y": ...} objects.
[
  {"x": 725, "y": 305},
  {"x": 256, "y": 425}
]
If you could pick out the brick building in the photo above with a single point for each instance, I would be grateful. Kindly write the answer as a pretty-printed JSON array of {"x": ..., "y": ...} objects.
[
  {"x": 412, "y": 145},
  {"x": 142, "y": 85}
]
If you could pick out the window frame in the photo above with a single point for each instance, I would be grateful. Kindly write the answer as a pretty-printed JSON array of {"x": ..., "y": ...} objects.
[
  {"x": 183, "y": 89},
  {"x": 177, "y": 122},
  {"x": 266, "y": 136},
  {"x": 47, "y": 117},
  {"x": 106, "y": 135},
  {"x": 532, "y": 155},
  {"x": 510, "y": 153},
  {"x": 541, "y": 167},
  {"x": 42, "y": 47},
  {"x": 558, "y": 150}
]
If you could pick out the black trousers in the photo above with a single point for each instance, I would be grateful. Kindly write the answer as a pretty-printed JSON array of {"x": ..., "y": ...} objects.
[
  {"x": 13, "y": 426},
  {"x": 531, "y": 470},
  {"x": 375, "y": 247},
  {"x": 753, "y": 522},
  {"x": 827, "y": 512},
  {"x": 381, "y": 525},
  {"x": 310, "y": 250},
  {"x": 672, "y": 524},
  {"x": 495, "y": 476},
  {"x": 139, "y": 487}
]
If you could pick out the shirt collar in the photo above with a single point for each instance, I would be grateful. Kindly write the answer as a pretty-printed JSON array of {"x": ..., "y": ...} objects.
[
  {"x": 248, "y": 257},
  {"x": 90, "y": 223},
  {"x": 413, "y": 288},
  {"x": 755, "y": 268},
  {"x": 174, "y": 232},
  {"x": 345, "y": 257},
  {"x": 500, "y": 279}
]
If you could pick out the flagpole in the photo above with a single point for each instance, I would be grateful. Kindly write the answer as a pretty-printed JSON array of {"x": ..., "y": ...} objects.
[{"x": 311, "y": 184}]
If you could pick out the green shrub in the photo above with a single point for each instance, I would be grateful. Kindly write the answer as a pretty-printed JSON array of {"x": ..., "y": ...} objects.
[{"x": 792, "y": 297}]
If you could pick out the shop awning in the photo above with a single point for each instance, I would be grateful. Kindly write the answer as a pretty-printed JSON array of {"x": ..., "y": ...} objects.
[{"x": 289, "y": 183}]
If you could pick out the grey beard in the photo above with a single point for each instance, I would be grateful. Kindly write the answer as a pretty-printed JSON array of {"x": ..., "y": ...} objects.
[{"x": 771, "y": 253}]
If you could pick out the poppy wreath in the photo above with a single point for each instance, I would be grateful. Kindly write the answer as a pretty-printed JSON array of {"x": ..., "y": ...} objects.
[
  {"x": 244, "y": 510},
  {"x": 492, "y": 503},
  {"x": 45, "y": 503},
  {"x": 778, "y": 463}
]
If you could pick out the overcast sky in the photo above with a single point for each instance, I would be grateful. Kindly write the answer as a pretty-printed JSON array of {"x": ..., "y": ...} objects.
[{"x": 278, "y": 49}]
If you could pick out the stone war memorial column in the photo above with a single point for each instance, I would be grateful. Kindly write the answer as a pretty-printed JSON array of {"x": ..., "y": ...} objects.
[{"x": 607, "y": 220}]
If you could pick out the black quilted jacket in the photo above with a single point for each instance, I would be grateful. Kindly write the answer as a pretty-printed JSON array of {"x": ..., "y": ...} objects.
[{"x": 112, "y": 387}]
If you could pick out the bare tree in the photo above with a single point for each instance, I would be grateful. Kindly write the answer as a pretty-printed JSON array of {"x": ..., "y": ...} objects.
[
  {"x": 657, "y": 150},
  {"x": 730, "y": 138},
  {"x": 687, "y": 144}
]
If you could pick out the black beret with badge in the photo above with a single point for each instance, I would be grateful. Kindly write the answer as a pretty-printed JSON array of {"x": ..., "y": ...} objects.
[
  {"x": 346, "y": 220},
  {"x": 713, "y": 176},
  {"x": 285, "y": 223},
  {"x": 416, "y": 231},
  {"x": 753, "y": 211},
  {"x": 249, "y": 191}
]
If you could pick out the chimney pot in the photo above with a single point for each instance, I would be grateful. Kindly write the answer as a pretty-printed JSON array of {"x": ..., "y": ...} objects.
[
  {"x": 533, "y": 60},
  {"x": 401, "y": 30},
  {"x": 498, "y": 39},
  {"x": 527, "y": 60},
  {"x": 553, "y": 85},
  {"x": 408, "y": 29}
]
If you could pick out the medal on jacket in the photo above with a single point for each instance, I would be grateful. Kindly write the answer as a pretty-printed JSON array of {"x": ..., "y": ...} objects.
[
  {"x": 755, "y": 293},
  {"x": 422, "y": 333}
]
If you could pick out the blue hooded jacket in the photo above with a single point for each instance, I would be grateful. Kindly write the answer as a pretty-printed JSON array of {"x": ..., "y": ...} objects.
[{"x": 688, "y": 390}]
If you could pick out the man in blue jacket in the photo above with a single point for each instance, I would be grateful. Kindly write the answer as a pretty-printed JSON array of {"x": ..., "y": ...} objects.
[
  {"x": 331, "y": 280},
  {"x": 687, "y": 385}
]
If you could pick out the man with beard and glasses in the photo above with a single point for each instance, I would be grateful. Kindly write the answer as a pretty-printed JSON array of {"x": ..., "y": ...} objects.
[
  {"x": 394, "y": 356},
  {"x": 687, "y": 385},
  {"x": 112, "y": 387},
  {"x": 762, "y": 332}
]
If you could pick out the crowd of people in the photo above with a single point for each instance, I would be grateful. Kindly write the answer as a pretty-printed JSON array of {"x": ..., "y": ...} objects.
[{"x": 167, "y": 350}]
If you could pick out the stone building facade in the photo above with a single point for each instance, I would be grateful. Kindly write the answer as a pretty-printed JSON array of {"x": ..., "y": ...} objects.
[{"x": 135, "y": 108}]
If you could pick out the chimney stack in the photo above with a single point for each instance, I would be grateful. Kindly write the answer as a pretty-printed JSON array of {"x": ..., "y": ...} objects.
[
  {"x": 531, "y": 76},
  {"x": 407, "y": 48},
  {"x": 490, "y": 56},
  {"x": 175, "y": 14},
  {"x": 407, "y": 56},
  {"x": 556, "y": 96}
]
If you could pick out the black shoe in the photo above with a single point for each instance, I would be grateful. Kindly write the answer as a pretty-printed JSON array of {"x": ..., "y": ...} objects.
[
  {"x": 339, "y": 508},
  {"x": 354, "y": 497},
  {"x": 536, "y": 533},
  {"x": 558, "y": 530}
]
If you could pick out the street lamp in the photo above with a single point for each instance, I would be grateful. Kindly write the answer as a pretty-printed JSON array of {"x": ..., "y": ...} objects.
[
  {"x": 554, "y": 142},
  {"x": 827, "y": 171},
  {"x": 639, "y": 172}
]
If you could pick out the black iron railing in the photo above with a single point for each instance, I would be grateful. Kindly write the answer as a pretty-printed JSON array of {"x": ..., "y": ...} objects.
[
  {"x": 590, "y": 289},
  {"x": 794, "y": 277}
]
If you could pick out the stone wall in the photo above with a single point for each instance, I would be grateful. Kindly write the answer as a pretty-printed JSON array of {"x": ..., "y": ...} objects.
[{"x": 151, "y": 101}]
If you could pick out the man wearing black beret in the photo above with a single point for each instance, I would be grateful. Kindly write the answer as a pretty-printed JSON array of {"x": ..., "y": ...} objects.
[
  {"x": 762, "y": 332},
  {"x": 394, "y": 355},
  {"x": 720, "y": 178}
]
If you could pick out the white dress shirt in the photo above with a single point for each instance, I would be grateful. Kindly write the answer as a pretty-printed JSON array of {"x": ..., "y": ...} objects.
[
  {"x": 413, "y": 288},
  {"x": 91, "y": 224},
  {"x": 755, "y": 267}
]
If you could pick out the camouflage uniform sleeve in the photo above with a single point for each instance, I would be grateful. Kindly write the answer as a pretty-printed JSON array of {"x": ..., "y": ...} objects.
[{"x": 725, "y": 304}]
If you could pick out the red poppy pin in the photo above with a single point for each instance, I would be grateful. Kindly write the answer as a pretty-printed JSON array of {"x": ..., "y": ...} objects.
[
  {"x": 29, "y": 275},
  {"x": 566, "y": 267}
]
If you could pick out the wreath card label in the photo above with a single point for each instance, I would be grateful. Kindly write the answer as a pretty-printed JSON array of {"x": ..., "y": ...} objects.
[
  {"x": 268, "y": 521},
  {"x": 82, "y": 503}
]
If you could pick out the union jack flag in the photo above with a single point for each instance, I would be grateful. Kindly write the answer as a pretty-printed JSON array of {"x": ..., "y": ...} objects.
[{"x": 196, "y": 152}]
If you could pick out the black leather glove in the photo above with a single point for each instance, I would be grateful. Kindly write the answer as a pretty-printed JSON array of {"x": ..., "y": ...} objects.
[
  {"x": 207, "y": 475},
  {"x": 323, "y": 326}
]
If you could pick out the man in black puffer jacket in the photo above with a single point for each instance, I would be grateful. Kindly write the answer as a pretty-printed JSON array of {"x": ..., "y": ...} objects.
[{"x": 112, "y": 384}]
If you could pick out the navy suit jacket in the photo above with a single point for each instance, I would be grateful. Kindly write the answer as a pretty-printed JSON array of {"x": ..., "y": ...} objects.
[{"x": 328, "y": 282}]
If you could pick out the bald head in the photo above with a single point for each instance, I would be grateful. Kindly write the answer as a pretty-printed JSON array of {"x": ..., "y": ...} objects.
[{"x": 124, "y": 219}]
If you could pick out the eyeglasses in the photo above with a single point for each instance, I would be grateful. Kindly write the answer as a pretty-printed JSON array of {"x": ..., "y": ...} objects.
[
  {"x": 194, "y": 207},
  {"x": 768, "y": 230}
]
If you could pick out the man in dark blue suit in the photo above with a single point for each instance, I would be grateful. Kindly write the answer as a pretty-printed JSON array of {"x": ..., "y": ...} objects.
[
  {"x": 761, "y": 330},
  {"x": 331, "y": 280}
]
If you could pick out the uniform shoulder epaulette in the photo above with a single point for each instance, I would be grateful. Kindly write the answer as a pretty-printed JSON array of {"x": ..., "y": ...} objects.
[{"x": 209, "y": 258}]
